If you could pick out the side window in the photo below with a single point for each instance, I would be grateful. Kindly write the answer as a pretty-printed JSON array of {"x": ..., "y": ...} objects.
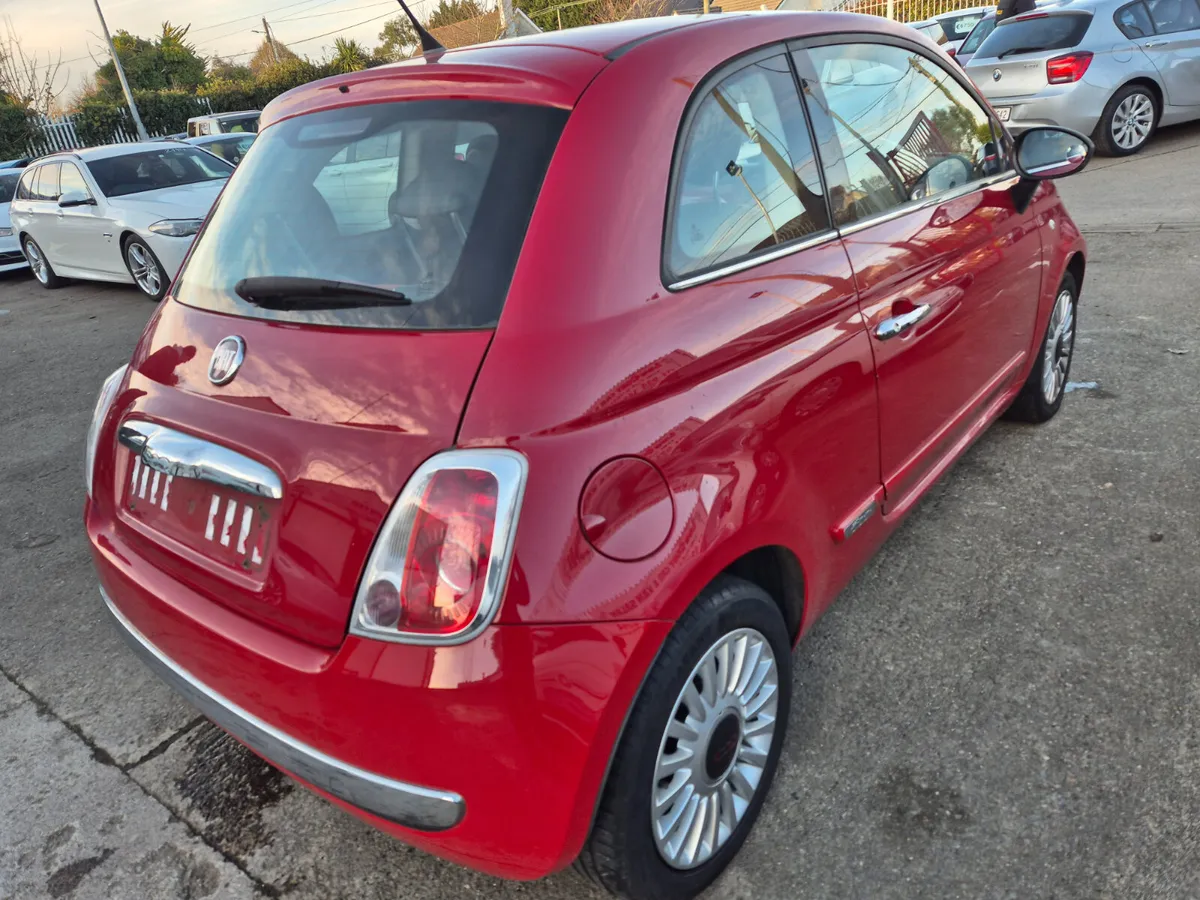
[
  {"x": 1174, "y": 15},
  {"x": 203, "y": 128},
  {"x": 25, "y": 188},
  {"x": 70, "y": 179},
  {"x": 1134, "y": 21},
  {"x": 746, "y": 179},
  {"x": 47, "y": 183},
  {"x": 894, "y": 127}
]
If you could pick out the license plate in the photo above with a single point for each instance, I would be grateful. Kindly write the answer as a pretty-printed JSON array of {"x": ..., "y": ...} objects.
[
  {"x": 226, "y": 526},
  {"x": 1002, "y": 113}
]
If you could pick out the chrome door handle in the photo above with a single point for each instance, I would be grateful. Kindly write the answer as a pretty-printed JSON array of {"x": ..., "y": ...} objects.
[
  {"x": 1150, "y": 44},
  {"x": 175, "y": 453},
  {"x": 896, "y": 325}
]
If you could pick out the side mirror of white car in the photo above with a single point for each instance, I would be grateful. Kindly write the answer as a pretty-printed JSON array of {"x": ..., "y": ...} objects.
[{"x": 75, "y": 198}]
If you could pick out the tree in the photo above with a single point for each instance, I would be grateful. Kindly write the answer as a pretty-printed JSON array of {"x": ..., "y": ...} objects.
[
  {"x": 349, "y": 56},
  {"x": 168, "y": 62},
  {"x": 268, "y": 55},
  {"x": 450, "y": 11},
  {"x": 547, "y": 16},
  {"x": 25, "y": 80},
  {"x": 397, "y": 40},
  {"x": 620, "y": 10},
  {"x": 227, "y": 70}
]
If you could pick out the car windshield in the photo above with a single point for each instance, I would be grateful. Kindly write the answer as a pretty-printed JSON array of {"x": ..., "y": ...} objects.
[
  {"x": 239, "y": 124},
  {"x": 978, "y": 33},
  {"x": 8, "y": 185},
  {"x": 429, "y": 199},
  {"x": 1035, "y": 34},
  {"x": 152, "y": 170}
]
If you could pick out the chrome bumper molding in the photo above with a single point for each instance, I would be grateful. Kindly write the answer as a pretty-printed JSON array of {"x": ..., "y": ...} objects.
[{"x": 405, "y": 804}]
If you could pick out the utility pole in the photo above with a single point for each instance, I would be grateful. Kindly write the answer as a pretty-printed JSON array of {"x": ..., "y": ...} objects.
[
  {"x": 137, "y": 120},
  {"x": 270, "y": 40}
]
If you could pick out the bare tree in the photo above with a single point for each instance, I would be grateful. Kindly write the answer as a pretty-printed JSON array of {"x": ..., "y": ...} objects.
[
  {"x": 620, "y": 10},
  {"x": 24, "y": 78}
]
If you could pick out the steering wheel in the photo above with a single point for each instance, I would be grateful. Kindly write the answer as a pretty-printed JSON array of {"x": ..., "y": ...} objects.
[{"x": 946, "y": 174}]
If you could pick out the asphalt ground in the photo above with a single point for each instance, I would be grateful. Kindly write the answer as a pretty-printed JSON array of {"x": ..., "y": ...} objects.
[{"x": 1004, "y": 704}]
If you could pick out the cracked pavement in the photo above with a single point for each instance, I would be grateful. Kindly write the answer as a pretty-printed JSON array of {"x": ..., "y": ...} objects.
[{"x": 1003, "y": 704}]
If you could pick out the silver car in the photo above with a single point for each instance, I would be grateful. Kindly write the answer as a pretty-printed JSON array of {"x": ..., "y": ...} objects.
[{"x": 1109, "y": 68}]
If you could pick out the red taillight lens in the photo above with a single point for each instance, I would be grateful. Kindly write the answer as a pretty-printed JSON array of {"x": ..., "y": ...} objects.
[
  {"x": 438, "y": 569},
  {"x": 950, "y": 53},
  {"x": 1067, "y": 69}
]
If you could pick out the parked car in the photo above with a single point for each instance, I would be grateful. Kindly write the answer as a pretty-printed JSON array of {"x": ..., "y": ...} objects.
[
  {"x": 125, "y": 213},
  {"x": 11, "y": 256},
  {"x": 1114, "y": 70},
  {"x": 223, "y": 123},
  {"x": 16, "y": 163},
  {"x": 230, "y": 147},
  {"x": 491, "y": 507},
  {"x": 949, "y": 30},
  {"x": 172, "y": 137},
  {"x": 967, "y": 48}
]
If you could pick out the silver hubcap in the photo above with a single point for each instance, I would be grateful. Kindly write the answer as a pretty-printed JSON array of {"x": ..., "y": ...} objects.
[
  {"x": 1132, "y": 121},
  {"x": 144, "y": 270},
  {"x": 1060, "y": 339},
  {"x": 37, "y": 262},
  {"x": 714, "y": 750}
]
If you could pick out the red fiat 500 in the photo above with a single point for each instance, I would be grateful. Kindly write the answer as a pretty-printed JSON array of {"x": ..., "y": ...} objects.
[{"x": 519, "y": 408}]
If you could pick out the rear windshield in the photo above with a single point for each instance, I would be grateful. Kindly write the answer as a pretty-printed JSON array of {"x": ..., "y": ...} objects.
[
  {"x": 428, "y": 199},
  {"x": 238, "y": 124},
  {"x": 1035, "y": 35},
  {"x": 135, "y": 173},
  {"x": 8, "y": 185},
  {"x": 975, "y": 38},
  {"x": 958, "y": 27}
]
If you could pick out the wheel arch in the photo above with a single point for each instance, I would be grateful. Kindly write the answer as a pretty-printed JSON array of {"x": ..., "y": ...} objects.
[
  {"x": 1148, "y": 82},
  {"x": 1076, "y": 267}
]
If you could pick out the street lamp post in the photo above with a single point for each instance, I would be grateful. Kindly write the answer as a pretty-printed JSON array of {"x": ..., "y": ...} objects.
[{"x": 137, "y": 120}]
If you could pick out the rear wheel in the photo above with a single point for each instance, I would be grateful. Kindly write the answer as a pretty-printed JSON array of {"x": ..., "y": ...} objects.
[
  {"x": 148, "y": 273},
  {"x": 1042, "y": 394},
  {"x": 40, "y": 266},
  {"x": 1128, "y": 121},
  {"x": 699, "y": 752}
]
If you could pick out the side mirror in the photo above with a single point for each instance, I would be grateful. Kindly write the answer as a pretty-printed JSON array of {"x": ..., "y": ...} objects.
[
  {"x": 1045, "y": 152},
  {"x": 75, "y": 198}
]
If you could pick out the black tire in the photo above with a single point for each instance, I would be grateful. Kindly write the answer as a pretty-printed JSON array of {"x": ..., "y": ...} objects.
[
  {"x": 1032, "y": 404},
  {"x": 130, "y": 250},
  {"x": 1106, "y": 141},
  {"x": 40, "y": 265},
  {"x": 620, "y": 854}
]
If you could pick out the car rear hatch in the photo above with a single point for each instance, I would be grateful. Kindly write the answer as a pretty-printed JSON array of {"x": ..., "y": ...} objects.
[
  {"x": 321, "y": 343},
  {"x": 1011, "y": 61}
]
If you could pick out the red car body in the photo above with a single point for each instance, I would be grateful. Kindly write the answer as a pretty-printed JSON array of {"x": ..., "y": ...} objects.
[{"x": 749, "y": 424}]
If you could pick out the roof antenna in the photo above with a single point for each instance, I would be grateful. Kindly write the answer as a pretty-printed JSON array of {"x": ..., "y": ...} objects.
[{"x": 428, "y": 42}]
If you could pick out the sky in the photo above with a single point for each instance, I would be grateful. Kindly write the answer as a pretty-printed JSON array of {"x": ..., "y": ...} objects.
[{"x": 221, "y": 27}]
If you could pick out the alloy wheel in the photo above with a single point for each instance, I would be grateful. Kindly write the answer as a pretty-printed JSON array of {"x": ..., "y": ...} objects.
[
  {"x": 714, "y": 750},
  {"x": 37, "y": 262},
  {"x": 1132, "y": 120},
  {"x": 144, "y": 269},
  {"x": 1060, "y": 340}
]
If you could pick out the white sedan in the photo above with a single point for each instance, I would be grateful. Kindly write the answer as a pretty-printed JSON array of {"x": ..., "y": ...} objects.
[
  {"x": 125, "y": 213},
  {"x": 11, "y": 256}
]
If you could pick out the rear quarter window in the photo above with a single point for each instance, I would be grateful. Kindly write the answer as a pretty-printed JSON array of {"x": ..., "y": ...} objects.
[
  {"x": 1134, "y": 21},
  {"x": 1035, "y": 34}
]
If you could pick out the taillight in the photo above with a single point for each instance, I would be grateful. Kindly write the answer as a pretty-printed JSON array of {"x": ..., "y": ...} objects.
[
  {"x": 950, "y": 53},
  {"x": 1068, "y": 69},
  {"x": 441, "y": 562}
]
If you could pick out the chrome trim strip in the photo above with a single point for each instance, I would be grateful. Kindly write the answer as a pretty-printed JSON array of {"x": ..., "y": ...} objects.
[
  {"x": 935, "y": 200},
  {"x": 184, "y": 456},
  {"x": 752, "y": 261},
  {"x": 405, "y": 804}
]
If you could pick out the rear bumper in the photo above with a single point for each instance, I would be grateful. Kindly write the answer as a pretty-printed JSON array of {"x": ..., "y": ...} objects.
[
  {"x": 1075, "y": 106},
  {"x": 490, "y": 753},
  {"x": 394, "y": 801}
]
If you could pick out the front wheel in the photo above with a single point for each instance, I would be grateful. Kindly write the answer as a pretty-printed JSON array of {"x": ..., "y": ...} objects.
[
  {"x": 1042, "y": 394},
  {"x": 1127, "y": 122},
  {"x": 147, "y": 271},
  {"x": 699, "y": 751}
]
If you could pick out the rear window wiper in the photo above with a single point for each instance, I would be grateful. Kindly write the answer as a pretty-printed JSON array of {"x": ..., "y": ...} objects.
[
  {"x": 1013, "y": 50},
  {"x": 288, "y": 292}
]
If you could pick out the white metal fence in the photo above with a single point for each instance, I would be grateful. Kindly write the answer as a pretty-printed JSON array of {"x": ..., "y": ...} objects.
[{"x": 58, "y": 132}]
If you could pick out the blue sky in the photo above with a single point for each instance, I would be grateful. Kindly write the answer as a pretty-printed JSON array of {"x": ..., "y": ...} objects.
[{"x": 218, "y": 26}]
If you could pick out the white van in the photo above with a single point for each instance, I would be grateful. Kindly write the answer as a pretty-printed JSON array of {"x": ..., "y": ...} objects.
[{"x": 223, "y": 123}]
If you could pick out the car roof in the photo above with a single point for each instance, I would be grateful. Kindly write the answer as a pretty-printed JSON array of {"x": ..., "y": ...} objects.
[
  {"x": 554, "y": 68},
  {"x": 108, "y": 151},
  {"x": 214, "y": 138}
]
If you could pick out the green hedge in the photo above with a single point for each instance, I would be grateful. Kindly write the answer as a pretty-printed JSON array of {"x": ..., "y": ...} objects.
[{"x": 16, "y": 130}]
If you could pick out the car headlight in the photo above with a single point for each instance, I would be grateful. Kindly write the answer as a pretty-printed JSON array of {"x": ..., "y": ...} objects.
[
  {"x": 5, "y": 232},
  {"x": 107, "y": 394},
  {"x": 177, "y": 227}
]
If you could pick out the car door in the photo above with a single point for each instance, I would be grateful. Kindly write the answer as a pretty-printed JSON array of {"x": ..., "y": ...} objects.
[
  {"x": 1174, "y": 48},
  {"x": 80, "y": 230},
  {"x": 948, "y": 270},
  {"x": 44, "y": 213}
]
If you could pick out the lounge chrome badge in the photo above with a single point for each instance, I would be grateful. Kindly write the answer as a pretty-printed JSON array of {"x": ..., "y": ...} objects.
[{"x": 227, "y": 358}]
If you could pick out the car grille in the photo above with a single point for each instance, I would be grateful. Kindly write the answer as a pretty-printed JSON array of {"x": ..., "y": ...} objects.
[{"x": 7, "y": 259}]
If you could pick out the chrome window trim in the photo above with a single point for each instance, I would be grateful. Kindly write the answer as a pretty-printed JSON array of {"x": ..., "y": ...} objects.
[
  {"x": 936, "y": 200},
  {"x": 409, "y": 805},
  {"x": 184, "y": 456},
  {"x": 511, "y": 471},
  {"x": 749, "y": 262}
]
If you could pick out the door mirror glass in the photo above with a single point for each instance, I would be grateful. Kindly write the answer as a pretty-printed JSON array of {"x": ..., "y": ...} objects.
[
  {"x": 1044, "y": 153},
  {"x": 74, "y": 198}
]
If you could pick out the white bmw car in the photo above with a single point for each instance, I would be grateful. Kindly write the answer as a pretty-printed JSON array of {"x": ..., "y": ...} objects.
[
  {"x": 126, "y": 213},
  {"x": 11, "y": 256}
]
